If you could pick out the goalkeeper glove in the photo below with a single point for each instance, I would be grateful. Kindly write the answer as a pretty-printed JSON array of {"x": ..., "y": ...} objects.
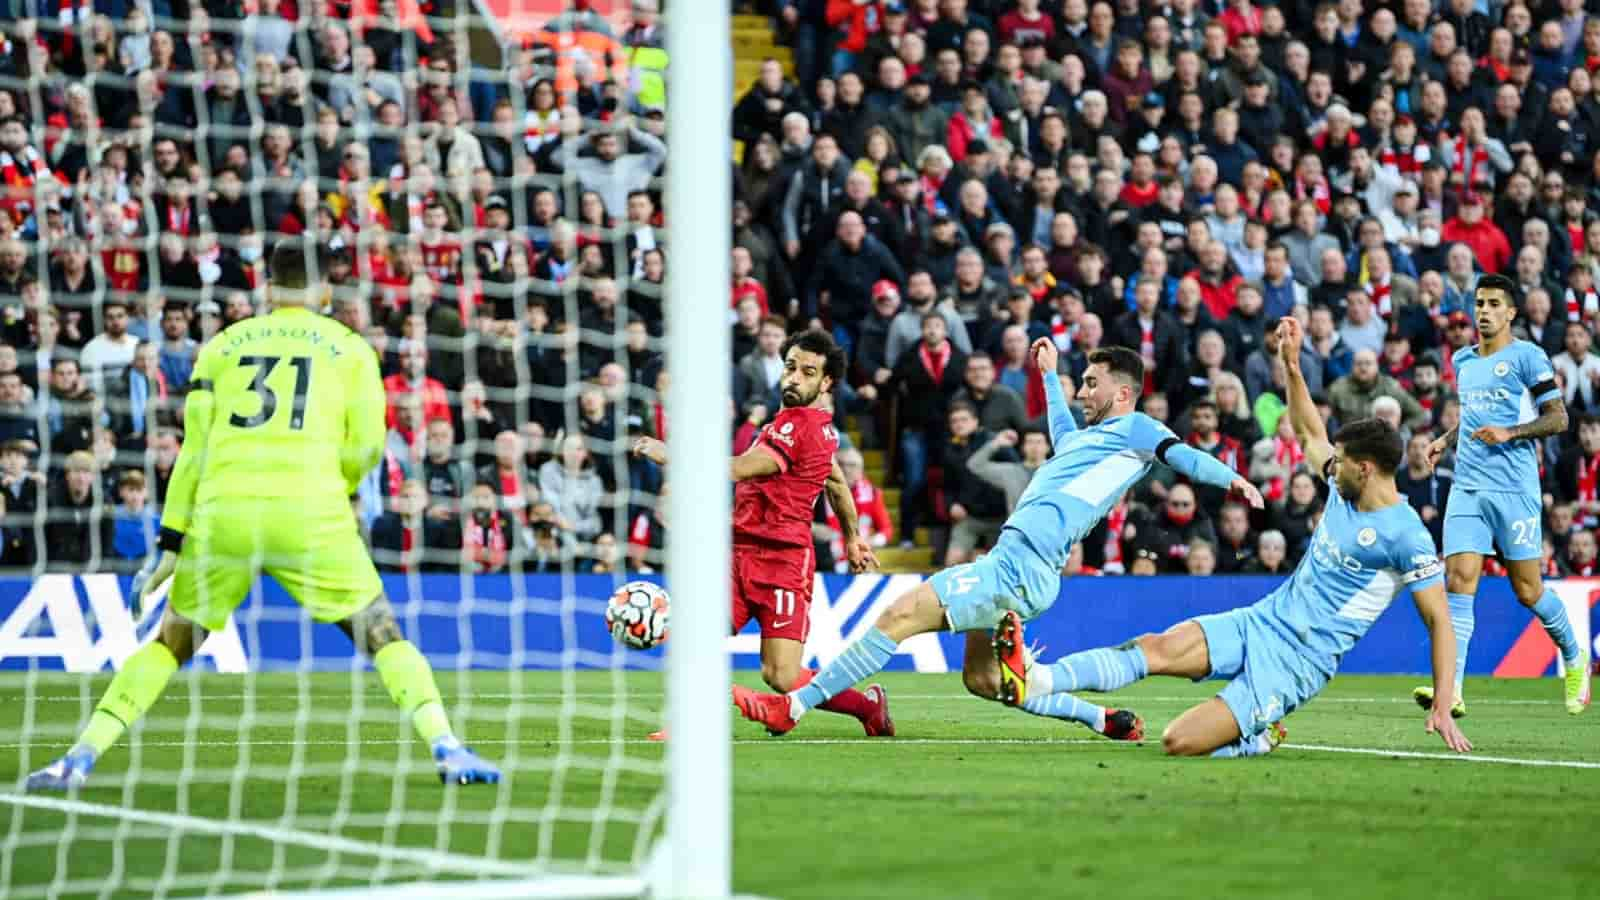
[{"x": 158, "y": 567}]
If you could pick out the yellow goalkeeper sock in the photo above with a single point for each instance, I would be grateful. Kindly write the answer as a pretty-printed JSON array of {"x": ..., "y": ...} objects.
[
  {"x": 142, "y": 679},
  {"x": 409, "y": 678}
]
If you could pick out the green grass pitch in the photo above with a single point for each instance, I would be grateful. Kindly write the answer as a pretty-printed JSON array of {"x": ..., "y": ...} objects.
[{"x": 971, "y": 800}]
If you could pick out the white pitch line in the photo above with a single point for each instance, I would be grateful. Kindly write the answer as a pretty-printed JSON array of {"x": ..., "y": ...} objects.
[
  {"x": 1453, "y": 757},
  {"x": 433, "y": 860},
  {"x": 375, "y": 696},
  {"x": 934, "y": 742},
  {"x": 1362, "y": 751},
  {"x": 598, "y": 742}
]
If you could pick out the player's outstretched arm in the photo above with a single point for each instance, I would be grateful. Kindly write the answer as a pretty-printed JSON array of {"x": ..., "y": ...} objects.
[
  {"x": 1155, "y": 438},
  {"x": 1197, "y": 465},
  {"x": 1435, "y": 612},
  {"x": 757, "y": 462},
  {"x": 843, "y": 504},
  {"x": 1309, "y": 428},
  {"x": 1058, "y": 410}
]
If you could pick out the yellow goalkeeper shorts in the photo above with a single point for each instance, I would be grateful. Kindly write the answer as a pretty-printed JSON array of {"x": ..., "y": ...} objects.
[{"x": 317, "y": 555}]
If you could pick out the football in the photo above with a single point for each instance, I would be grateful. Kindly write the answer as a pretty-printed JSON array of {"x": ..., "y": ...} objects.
[{"x": 636, "y": 616}]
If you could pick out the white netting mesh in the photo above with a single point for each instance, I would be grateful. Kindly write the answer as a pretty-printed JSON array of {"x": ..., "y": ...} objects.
[{"x": 155, "y": 179}]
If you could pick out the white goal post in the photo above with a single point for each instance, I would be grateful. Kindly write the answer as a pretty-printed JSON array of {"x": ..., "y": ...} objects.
[{"x": 699, "y": 204}]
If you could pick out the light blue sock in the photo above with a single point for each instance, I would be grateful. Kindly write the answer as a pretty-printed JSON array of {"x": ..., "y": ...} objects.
[
  {"x": 1461, "y": 620},
  {"x": 1103, "y": 669},
  {"x": 860, "y": 660},
  {"x": 1553, "y": 613},
  {"x": 1255, "y": 745},
  {"x": 1062, "y": 705}
]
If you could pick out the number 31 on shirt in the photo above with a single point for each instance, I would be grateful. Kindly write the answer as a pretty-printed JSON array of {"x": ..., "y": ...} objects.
[{"x": 264, "y": 366}]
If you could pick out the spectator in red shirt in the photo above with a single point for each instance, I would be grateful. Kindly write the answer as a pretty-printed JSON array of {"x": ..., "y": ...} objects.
[
  {"x": 485, "y": 531},
  {"x": 873, "y": 513},
  {"x": 508, "y": 475},
  {"x": 1205, "y": 435},
  {"x": 1241, "y": 17},
  {"x": 413, "y": 379},
  {"x": 1026, "y": 22},
  {"x": 975, "y": 121},
  {"x": 1471, "y": 227},
  {"x": 755, "y": 416},
  {"x": 744, "y": 285},
  {"x": 441, "y": 251},
  {"x": 858, "y": 21},
  {"x": 1141, "y": 189},
  {"x": 647, "y": 535},
  {"x": 1219, "y": 281},
  {"x": 120, "y": 257}
]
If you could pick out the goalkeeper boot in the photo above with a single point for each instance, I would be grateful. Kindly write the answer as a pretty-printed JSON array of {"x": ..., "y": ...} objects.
[
  {"x": 1578, "y": 685},
  {"x": 1124, "y": 725},
  {"x": 1424, "y": 697},
  {"x": 457, "y": 764},
  {"x": 1013, "y": 657},
  {"x": 65, "y": 774},
  {"x": 771, "y": 710}
]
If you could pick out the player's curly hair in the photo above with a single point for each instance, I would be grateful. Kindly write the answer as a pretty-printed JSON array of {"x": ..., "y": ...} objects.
[
  {"x": 1374, "y": 441},
  {"x": 822, "y": 344}
]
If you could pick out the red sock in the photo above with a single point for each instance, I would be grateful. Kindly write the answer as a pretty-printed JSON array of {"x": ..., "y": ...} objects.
[{"x": 849, "y": 702}]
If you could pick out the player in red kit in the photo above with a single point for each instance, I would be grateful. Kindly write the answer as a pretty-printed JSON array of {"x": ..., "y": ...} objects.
[{"x": 778, "y": 480}]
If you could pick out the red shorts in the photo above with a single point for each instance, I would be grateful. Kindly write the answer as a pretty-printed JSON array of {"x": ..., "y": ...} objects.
[{"x": 773, "y": 586}]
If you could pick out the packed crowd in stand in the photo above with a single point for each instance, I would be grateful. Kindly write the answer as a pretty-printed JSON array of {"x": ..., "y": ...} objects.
[
  {"x": 947, "y": 180},
  {"x": 939, "y": 184}
]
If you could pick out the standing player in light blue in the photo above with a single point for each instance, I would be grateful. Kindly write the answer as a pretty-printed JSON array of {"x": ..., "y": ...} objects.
[
  {"x": 1280, "y": 652},
  {"x": 1088, "y": 473},
  {"x": 1496, "y": 498}
]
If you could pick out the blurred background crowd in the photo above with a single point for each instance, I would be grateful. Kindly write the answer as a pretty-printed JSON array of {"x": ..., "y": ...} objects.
[{"x": 936, "y": 183}]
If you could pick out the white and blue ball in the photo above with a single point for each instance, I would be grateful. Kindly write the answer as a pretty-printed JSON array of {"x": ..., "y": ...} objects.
[{"x": 637, "y": 615}]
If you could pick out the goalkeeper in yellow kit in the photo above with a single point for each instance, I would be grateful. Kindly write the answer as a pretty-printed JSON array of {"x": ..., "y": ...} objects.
[{"x": 284, "y": 416}]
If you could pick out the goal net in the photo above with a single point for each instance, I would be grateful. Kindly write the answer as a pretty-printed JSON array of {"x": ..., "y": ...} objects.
[{"x": 487, "y": 182}]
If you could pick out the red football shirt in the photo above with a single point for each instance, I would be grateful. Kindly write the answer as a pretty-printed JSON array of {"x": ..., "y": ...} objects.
[
  {"x": 121, "y": 264},
  {"x": 442, "y": 261},
  {"x": 777, "y": 509}
]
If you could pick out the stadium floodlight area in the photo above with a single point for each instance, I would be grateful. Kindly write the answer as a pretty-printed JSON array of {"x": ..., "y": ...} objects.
[{"x": 276, "y": 763}]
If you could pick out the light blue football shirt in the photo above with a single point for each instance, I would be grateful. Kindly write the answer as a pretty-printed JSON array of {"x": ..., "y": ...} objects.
[
  {"x": 1358, "y": 562},
  {"x": 1091, "y": 468},
  {"x": 1504, "y": 389}
]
